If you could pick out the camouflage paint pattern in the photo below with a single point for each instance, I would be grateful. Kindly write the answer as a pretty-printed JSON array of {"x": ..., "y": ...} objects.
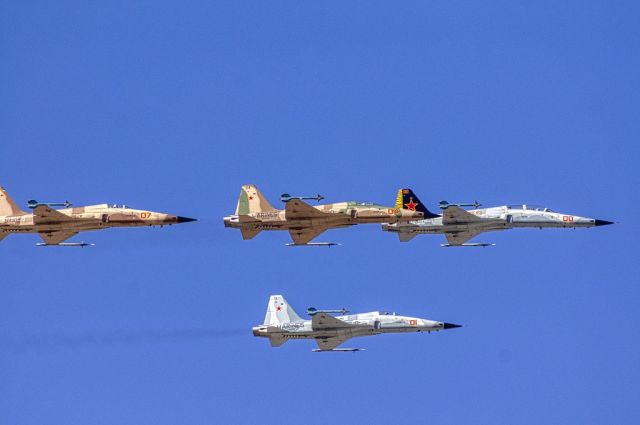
[
  {"x": 55, "y": 226},
  {"x": 254, "y": 213}
]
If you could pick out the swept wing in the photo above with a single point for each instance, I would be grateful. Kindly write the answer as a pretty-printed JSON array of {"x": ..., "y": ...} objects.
[
  {"x": 54, "y": 238},
  {"x": 297, "y": 209},
  {"x": 42, "y": 214},
  {"x": 331, "y": 343},
  {"x": 456, "y": 215},
  {"x": 306, "y": 234}
]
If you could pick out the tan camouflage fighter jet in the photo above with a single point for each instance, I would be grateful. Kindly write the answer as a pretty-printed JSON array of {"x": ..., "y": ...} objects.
[
  {"x": 56, "y": 226},
  {"x": 303, "y": 221}
]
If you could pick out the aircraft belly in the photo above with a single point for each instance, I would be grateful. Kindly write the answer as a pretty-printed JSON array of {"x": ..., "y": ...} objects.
[
  {"x": 376, "y": 219},
  {"x": 402, "y": 329}
]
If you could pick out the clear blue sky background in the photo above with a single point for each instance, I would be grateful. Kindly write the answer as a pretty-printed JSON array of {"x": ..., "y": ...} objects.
[{"x": 171, "y": 106}]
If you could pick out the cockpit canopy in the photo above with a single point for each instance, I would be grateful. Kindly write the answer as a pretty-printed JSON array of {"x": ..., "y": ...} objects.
[
  {"x": 529, "y": 207},
  {"x": 122, "y": 206},
  {"x": 388, "y": 313}
]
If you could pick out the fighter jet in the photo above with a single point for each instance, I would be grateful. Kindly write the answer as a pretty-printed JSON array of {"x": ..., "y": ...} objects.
[
  {"x": 56, "y": 226},
  {"x": 459, "y": 225},
  {"x": 282, "y": 323},
  {"x": 303, "y": 221}
]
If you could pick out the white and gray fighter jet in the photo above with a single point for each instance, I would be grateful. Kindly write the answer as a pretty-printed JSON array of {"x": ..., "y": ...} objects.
[
  {"x": 282, "y": 323},
  {"x": 459, "y": 225}
]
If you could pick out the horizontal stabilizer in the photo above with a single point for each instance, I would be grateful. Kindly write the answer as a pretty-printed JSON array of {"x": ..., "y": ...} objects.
[
  {"x": 3, "y": 235},
  {"x": 277, "y": 340},
  {"x": 406, "y": 236},
  {"x": 249, "y": 232}
]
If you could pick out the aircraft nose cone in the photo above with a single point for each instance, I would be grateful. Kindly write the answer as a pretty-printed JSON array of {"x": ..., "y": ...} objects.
[
  {"x": 602, "y": 222},
  {"x": 450, "y": 326},
  {"x": 185, "y": 219}
]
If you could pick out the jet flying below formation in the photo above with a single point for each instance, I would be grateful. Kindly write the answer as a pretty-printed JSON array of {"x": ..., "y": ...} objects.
[
  {"x": 460, "y": 225},
  {"x": 303, "y": 221},
  {"x": 282, "y": 324},
  {"x": 56, "y": 226}
]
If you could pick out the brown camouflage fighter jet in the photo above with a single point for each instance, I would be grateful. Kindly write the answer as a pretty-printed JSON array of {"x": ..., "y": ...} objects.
[
  {"x": 303, "y": 221},
  {"x": 56, "y": 226}
]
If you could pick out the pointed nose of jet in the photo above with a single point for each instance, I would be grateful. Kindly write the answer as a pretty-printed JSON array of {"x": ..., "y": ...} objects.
[
  {"x": 602, "y": 222},
  {"x": 446, "y": 325},
  {"x": 185, "y": 219}
]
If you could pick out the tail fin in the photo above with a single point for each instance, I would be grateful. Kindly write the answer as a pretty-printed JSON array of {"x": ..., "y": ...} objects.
[
  {"x": 279, "y": 311},
  {"x": 251, "y": 200},
  {"x": 408, "y": 200},
  {"x": 8, "y": 205}
]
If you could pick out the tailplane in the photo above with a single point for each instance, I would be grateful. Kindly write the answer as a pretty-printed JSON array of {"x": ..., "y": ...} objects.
[
  {"x": 8, "y": 205},
  {"x": 408, "y": 200},
  {"x": 251, "y": 200},
  {"x": 279, "y": 311}
]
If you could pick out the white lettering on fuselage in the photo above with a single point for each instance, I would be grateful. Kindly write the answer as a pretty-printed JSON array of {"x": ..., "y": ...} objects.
[
  {"x": 11, "y": 220},
  {"x": 291, "y": 326},
  {"x": 266, "y": 215}
]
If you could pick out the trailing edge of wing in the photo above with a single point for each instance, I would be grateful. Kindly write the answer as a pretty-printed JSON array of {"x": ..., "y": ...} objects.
[
  {"x": 305, "y": 235},
  {"x": 458, "y": 238},
  {"x": 54, "y": 238}
]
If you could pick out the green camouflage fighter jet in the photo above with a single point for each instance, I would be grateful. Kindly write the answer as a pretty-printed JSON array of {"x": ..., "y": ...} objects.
[
  {"x": 56, "y": 226},
  {"x": 303, "y": 221}
]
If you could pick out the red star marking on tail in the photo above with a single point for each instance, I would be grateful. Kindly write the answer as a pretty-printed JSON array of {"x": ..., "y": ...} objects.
[
  {"x": 411, "y": 206},
  {"x": 279, "y": 308}
]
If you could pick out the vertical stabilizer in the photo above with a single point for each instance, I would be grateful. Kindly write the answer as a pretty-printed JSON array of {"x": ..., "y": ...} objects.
[
  {"x": 279, "y": 311},
  {"x": 251, "y": 200},
  {"x": 408, "y": 200},
  {"x": 8, "y": 205}
]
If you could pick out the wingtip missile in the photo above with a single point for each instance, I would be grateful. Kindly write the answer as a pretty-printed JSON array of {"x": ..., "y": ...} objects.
[
  {"x": 338, "y": 350},
  {"x": 285, "y": 197},
  {"x": 444, "y": 205},
  {"x": 482, "y": 244},
  {"x": 312, "y": 311},
  {"x": 32, "y": 203},
  {"x": 328, "y": 244},
  {"x": 80, "y": 244}
]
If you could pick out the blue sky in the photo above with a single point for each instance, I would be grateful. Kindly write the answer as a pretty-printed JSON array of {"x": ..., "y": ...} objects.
[{"x": 171, "y": 106}]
